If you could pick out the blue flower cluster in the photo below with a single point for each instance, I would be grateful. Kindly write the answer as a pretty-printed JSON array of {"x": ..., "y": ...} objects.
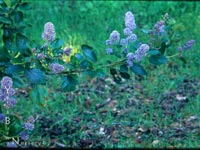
[
  {"x": 114, "y": 38},
  {"x": 130, "y": 26},
  {"x": 24, "y": 135},
  {"x": 186, "y": 46},
  {"x": 41, "y": 56},
  {"x": 67, "y": 51},
  {"x": 2, "y": 118},
  {"x": 49, "y": 33},
  {"x": 137, "y": 56},
  {"x": 7, "y": 92},
  {"x": 160, "y": 27},
  {"x": 11, "y": 144},
  {"x": 130, "y": 21},
  {"x": 56, "y": 68},
  {"x": 28, "y": 126}
]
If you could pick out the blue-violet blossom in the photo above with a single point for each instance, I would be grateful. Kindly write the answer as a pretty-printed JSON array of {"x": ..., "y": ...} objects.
[
  {"x": 56, "y": 68},
  {"x": 130, "y": 21},
  {"x": 109, "y": 50},
  {"x": 67, "y": 51},
  {"x": 49, "y": 33},
  {"x": 188, "y": 44},
  {"x": 114, "y": 37},
  {"x": 6, "y": 92}
]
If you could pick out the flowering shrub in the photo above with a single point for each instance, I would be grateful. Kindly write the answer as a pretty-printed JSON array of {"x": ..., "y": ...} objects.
[
  {"x": 23, "y": 60},
  {"x": 133, "y": 51}
]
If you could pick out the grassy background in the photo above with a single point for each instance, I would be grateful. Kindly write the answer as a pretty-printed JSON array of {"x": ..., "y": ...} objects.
[{"x": 73, "y": 118}]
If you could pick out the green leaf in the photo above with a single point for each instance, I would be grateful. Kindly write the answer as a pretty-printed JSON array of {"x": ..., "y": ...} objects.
[
  {"x": 124, "y": 68},
  {"x": 88, "y": 75},
  {"x": 153, "y": 52},
  {"x": 38, "y": 94},
  {"x": 35, "y": 76},
  {"x": 69, "y": 83},
  {"x": 117, "y": 79},
  {"x": 78, "y": 56},
  {"x": 163, "y": 48},
  {"x": 56, "y": 44},
  {"x": 13, "y": 3},
  {"x": 8, "y": 42},
  {"x": 8, "y": 2},
  {"x": 25, "y": 6},
  {"x": 15, "y": 126},
  {"x": 137, "y": 69},
  {"x": 158, "y": 59},
  {"x": 0, "y": 109},
  {"x": 183, "y": 60},
  {"x": 89, "y": 53},
  {"x": 3, "y": 9},
  {"x": 85, "y": 64},
  {"x": 5, "y": 20},
  {"x": 22, "y": 42},
  {"x": 14, "y": 69},
  {"x": 100, "y": 73},
  {"x": 18, "y": 82},
  {"x": 18, "y": 60},
  {"x": 113, "y": 71},
  {"x": 145, "y": 31},
  {"x": 125, "y": 75},
  {"x": 18, "y": 16},
  {"x": 115, "y": 75},
  {"x": 7, "y": 33},
  {"x": 10, "y": 46}
]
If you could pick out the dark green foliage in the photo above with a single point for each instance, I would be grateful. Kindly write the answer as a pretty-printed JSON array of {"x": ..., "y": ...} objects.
[
  {"x": 153, "y": 52},
  {"x": 138, "y": 69},
  {"x": 38, "y": 95},
  {"x": 79, "y": 56},
  {"x": 119, "y": 74},
  {"x": 15, "y": 126},
  {"x": 89, "y": 53},
  {"x": 14, "y": 69},
  {"x": 69, "y": 83},
  {"x": 22, "y": 43},
  {"x": 35, "y": 76},
  {"x": 162, "y": 48},
  {"x": 85, "y": 64},
  {"x": 123, "y": 68},
  {"x": 125, "y": 75},
  {"x": 158, "y": 59},
  {"x": 56, "y": 44},
  {"x": 5, "y": 20}
]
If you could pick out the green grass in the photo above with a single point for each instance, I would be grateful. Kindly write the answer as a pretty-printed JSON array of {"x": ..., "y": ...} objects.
[{"x": 90, "y": 22}]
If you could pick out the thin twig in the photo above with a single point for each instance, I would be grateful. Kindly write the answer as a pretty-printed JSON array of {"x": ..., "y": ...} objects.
[
  {"x": 90, "y": 69},
  {"x": 173, "y": 55}
]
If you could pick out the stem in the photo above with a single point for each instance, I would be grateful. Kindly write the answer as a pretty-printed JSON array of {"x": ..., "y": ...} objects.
[
  {"x": 173, "y": 55},
  {"x": 89, "y": 69},
  {"x": 113, "y": 64}
]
